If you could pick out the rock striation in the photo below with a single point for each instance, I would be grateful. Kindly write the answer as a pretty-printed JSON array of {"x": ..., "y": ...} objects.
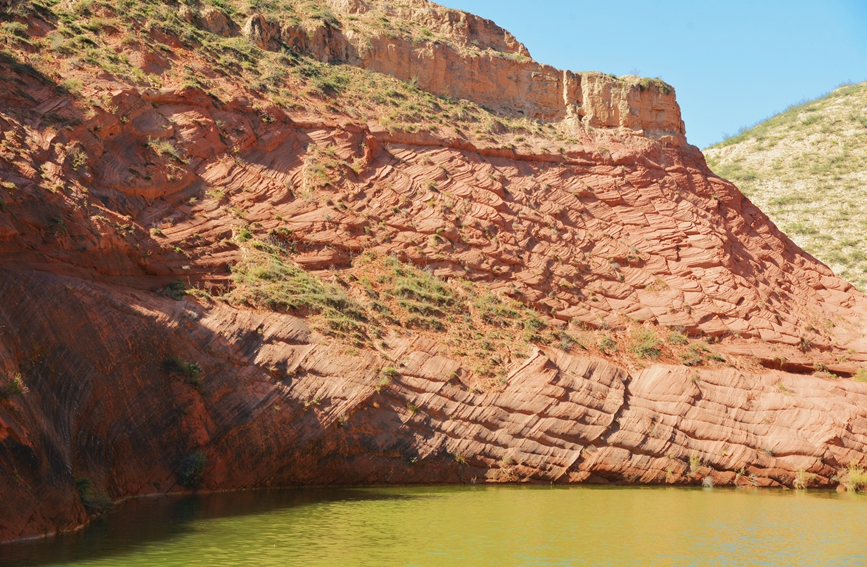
[{"x": 205, "y": 288}]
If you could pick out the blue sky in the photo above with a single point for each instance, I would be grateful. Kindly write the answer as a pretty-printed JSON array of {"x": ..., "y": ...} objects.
[{"x": 732, "y": 62}]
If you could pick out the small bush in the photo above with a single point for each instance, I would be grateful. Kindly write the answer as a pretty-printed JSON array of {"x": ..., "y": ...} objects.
[
  {"x": 802, "y": 479},
  {"x": 94, "y": 501},
  {"x": 692, "y": 356},
  {"x": 532, "y": 326},
  {"x": 192, "y": 470},
  {"x": 716, "y": 357},
  {"x": 77, "y": 158},
  {"x": 856, "y": 478},
  {"x": 675, "y": 338},
  {"x": 425, "y": 309},
  {"x": 191, "y": 371},
  {"x": 177, "y": 365},
  {"x": 861, "y": 376},
  {"x": 607, "y": 345},
  {"x": 383, "y": 382},
  {"x": 13, "y": 386},
  {"x": 175, "y": 290},
  {"x": 16, "y": 29},
  {"x": 72, "y": 86},
  {"x": 422, "y": 288},
  {"x": 390, "y": 372},
  {"x": 645, "y": 344},
  {"x": 166, "y": 148},
  {"x": 694, "y": 464}
]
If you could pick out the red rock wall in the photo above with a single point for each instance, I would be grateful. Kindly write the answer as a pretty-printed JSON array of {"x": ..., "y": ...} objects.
[{"x": 615, "y": 231}]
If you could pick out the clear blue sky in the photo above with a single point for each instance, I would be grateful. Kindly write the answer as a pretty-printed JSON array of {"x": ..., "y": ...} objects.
[{"x": 732, "y": 62}]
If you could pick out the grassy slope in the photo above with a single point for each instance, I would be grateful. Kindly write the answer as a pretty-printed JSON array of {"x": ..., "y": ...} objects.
[
  {"x": 807, "y": 169},
  {"x": 96, "y": 38}
]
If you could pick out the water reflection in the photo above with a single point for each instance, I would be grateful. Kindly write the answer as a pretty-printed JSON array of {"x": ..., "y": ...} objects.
[{"x": 145, "y": 522}]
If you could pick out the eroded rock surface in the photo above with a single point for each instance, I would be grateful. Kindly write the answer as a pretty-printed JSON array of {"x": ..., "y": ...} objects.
[{"x": 552, "y": 256}]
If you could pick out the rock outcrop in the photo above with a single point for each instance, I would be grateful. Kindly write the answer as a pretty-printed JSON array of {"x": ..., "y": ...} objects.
[
  {"x": 481, "y": 62},
  {"x": 205, "y": 288}
]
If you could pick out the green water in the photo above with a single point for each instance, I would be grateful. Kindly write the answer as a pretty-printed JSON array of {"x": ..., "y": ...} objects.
[{"x": 480, "y": 526}]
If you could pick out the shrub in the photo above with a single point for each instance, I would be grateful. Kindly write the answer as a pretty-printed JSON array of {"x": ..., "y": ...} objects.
[
  {"x": 532, "y": 326},
  {"x": 13, "y": 386},
  {"x": 175, "y": 290},
  {"x": 191, "y": 371},
  {"x": 675, "y": 338},
  {"x": 16, "y": 29},
  {"x": 607, "y": 345},
  {"x": 192, "y": 469},
  {"x": 166, "y": 148},
  {"x": 802, "y": 479},
  {"x": 645, "y": 344},
  {"x": 422, "y": 287},
  {"x": 94, "y": 501},
  {"x": 856, "y": 478},
  {"x": 72, "y": 86},
  {"x": 77, "y": 158},
  {"x": 692, "y": 356},
  {"x": 694, "y": 464},
  {"x": 383, "y": 382},
  {"x": 861, "y": 375}
]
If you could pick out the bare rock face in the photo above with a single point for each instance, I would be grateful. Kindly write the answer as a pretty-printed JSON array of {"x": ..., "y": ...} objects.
[
  {"x": 215, "y": 21},
  {"x": 601, "y": 309},
  {"x": 349, "y": 6},
  {"x": 262, "y": 31}
]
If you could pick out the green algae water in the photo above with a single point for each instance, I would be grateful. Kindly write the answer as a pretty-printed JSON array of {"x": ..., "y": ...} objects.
[{"x": 477, "y": 526}]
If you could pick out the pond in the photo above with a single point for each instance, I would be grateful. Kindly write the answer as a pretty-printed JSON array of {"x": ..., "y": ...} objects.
[{"x": 468, "y": 526}]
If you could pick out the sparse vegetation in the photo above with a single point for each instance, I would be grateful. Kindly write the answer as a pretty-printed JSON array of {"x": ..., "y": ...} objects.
[
  {"x": 645, "y": 343},
  {"x": 695, "y": 463},
  {"x": 164, "y": 147},
  {"x": 12, "y": 386},
  {"x": 805, "y": 168},
  {"x": 802, "y": 479},
  {"x": 675, "y": 338},
  {"x": 855, "y": 478},
  {"x": 192, "y": 469},
  {"x": 94, "y": 501},
  {"x": 607, "y": 345},
  {"x": 264, "y": 279},
  {"x": 191, "y": 371}
]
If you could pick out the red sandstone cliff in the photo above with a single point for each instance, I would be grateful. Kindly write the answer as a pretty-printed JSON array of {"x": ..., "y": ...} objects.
[{"x": 480, "y": 298}]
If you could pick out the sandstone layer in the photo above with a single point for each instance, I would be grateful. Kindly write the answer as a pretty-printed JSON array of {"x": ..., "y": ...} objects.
[
  {"x": 475, "y": 59},
  {"x": 203, "y": 288}
]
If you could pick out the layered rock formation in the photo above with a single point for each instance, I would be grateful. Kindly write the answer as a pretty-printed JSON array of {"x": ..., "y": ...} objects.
[
  {"x": 475, "y": 59},
  {"x": 204, "y": 287}
]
